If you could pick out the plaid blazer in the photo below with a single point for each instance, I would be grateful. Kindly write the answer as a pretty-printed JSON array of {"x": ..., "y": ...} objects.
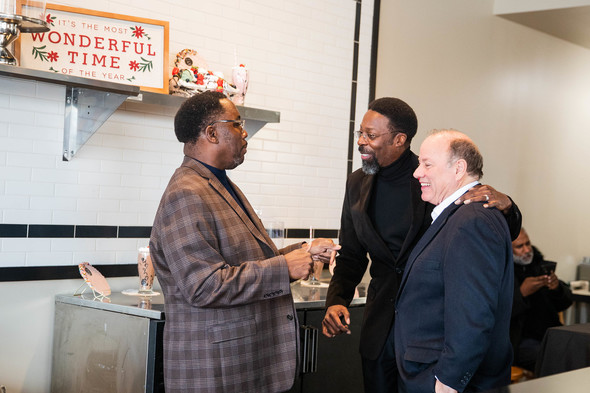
[{"x": 231, "y": 324}]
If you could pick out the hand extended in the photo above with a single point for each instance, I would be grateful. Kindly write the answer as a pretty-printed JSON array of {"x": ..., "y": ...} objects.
[
  {"x": 299, "y": 263},
  {"x": 332, "y": 324},
  {"x": 487, "y": 194},
  {"x": 323, "y": 250}
]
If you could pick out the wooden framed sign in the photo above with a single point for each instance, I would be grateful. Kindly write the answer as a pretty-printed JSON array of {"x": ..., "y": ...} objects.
[{"x": 100, "y": 45}]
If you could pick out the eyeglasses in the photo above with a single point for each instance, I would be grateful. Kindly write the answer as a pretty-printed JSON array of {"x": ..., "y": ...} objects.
[
  {"x": 367, "y": 136},
  {"x": 237, "y": 123}
]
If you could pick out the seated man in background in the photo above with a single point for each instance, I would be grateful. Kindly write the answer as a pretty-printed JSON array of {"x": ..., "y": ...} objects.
[{"x": 539, "y": 296}]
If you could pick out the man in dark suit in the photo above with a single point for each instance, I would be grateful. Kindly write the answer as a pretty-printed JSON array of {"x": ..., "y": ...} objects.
[
  {"x": 455, "y": 298},
  {"x": 231, "y": 324},
  {"x": 383, "y": 216}
]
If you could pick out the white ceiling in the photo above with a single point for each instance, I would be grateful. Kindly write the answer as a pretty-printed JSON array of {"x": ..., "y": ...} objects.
[{"x": 570, "y": 24}]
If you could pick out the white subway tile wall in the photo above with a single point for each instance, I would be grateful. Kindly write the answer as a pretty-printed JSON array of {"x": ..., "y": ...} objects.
[{"x": 300, "y": 57}]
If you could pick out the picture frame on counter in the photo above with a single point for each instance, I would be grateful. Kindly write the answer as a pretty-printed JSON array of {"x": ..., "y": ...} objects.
[{"x": 100, "y": 45}]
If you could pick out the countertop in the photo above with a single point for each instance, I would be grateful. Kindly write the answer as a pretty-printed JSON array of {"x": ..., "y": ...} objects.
[
  {"x": 570, "y": 382},
  {"x": 305, "y": 298}
]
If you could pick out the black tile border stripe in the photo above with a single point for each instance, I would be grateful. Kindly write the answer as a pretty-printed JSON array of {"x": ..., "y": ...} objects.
[
  {"x": 297, "y": 233},
  {"x": 89, "y": 231},
  {"x": 328, "y": 233},
  {"x": 121, "y": 232},
  {"x": 13, "y": 230},
  {"x": 54, "y": 231},
  {"x": 303, "y": 233},
  {"x": 37, "y": 273},
  {"x": 141, "y": 232}
]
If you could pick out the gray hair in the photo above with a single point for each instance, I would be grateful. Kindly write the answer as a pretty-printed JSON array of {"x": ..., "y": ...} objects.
[{"x": 461, "y": 147}]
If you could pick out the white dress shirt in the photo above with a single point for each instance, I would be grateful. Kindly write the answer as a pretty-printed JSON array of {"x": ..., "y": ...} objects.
[{"x": 450, "y": 199}]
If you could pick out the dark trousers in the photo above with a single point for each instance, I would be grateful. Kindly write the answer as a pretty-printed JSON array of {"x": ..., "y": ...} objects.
[
  {"x": 526, "y": 356},
  {"x": 380, "y": 375}
]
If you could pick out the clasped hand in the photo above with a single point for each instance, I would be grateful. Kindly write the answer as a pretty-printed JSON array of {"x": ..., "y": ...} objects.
[
  {"x": 323, "y": 250},
  {"x": 300, "y": 261}
]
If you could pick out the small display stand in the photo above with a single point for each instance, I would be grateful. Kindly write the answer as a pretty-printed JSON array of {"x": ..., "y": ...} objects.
[{"x": 94, "y": 280}]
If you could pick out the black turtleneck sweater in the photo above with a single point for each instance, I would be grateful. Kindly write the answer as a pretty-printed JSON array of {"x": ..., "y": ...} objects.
[{"x": 390, "y": 199}]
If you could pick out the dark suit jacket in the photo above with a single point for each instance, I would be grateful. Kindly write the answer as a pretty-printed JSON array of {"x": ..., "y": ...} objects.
[
  {"x": 231, "y": 324},
  {"x": 359, "y": 237},
  {"x": 454, "y": 304}
]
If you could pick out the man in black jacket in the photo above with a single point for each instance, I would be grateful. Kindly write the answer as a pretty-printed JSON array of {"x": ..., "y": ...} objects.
[
  {"x": 383, "y": 215},
  {"x": 539, "y": 296}
]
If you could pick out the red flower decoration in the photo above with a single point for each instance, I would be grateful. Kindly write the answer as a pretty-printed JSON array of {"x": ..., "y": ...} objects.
[
  {"x": 52, "y": 56},
  {"x": 138, "y": 32},
  {"x": 49, "y": 19},
  {"x": 133, "y": 65}
]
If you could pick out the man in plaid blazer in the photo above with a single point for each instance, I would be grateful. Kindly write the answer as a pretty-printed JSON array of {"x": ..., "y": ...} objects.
[{"x": 231, "y": 324}]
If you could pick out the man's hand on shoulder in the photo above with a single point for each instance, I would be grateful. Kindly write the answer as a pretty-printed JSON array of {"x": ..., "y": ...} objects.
[{"x": 488, "y": 195}]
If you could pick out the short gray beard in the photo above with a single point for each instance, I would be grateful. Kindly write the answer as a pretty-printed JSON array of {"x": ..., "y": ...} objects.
[
  {"x": 523, "y": 260},
  {"x": 370, "y": 167}
]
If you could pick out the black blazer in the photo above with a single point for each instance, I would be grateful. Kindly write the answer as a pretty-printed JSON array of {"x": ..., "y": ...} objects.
[{"x": 358, "y": 237}]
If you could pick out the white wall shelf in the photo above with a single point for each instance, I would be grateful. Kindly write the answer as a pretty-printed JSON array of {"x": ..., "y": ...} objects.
[
  {"x": 165, "y": 104},
  {"x": 89, "y": 103}
]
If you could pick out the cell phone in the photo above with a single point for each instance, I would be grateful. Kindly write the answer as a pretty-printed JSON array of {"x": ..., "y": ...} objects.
[{"x": 548, "y": 267}]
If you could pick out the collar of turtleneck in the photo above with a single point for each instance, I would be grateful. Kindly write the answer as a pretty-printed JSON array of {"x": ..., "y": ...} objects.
[{"x": 399, "y": 168}]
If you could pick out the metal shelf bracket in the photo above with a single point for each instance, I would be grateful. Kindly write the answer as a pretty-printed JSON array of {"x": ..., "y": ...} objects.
[{"x": 85, "y": 111}]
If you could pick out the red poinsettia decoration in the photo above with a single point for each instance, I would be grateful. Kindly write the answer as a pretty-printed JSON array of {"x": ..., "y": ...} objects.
[
  {"x": 133, "y": 65},
  {"x": 52, "y": 56},
  {"x": 50, "y": 19},
  {"x": 138, "y": 31}
]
